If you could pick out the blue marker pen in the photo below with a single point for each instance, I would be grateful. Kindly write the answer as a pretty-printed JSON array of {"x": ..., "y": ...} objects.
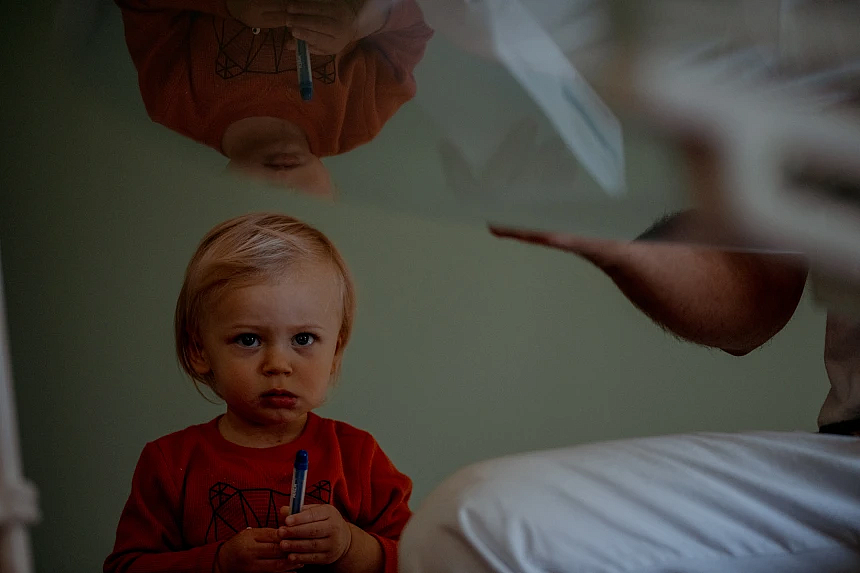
[
  {"x": 303, "y": 67},
  {"x": 300, "y": 478}
]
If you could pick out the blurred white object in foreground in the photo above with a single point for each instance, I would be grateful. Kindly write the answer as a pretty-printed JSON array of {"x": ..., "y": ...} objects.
[
  {"x": 772, "y": 87},
  {"x": 538, "y": 42},
  {"x": 18, "y": 506}
]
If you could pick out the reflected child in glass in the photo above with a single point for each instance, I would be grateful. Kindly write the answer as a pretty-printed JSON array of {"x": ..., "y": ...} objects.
[{"x": 223, "y": 72}]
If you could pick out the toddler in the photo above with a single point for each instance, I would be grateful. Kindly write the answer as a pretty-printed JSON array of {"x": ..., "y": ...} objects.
[{"x": 262, "y": 319}]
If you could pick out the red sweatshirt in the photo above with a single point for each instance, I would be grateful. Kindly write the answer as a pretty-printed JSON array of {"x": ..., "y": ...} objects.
[
  {"x": 193, "y": 489},
  {"x": 200, "y": 70}
]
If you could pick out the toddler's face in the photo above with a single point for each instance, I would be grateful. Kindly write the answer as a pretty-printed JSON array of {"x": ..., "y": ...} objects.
[{"x": 271, "y": 347}]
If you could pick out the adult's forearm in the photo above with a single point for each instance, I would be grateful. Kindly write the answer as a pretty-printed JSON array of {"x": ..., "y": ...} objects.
[{"x": 728, "y": 300}]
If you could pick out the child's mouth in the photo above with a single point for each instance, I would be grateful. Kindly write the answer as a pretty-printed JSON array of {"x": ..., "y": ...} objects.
[
  {"x": 279, "y": 399},
  {"x": 279, "y": 392},
  {"x": 283, "y": 161}
]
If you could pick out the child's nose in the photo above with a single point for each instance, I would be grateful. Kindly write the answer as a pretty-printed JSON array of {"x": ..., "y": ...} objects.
[{"x": 278, "y": 361}]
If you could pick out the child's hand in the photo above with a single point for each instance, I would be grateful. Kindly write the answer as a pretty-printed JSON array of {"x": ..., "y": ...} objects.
[
  {"x": 327, "y": 26},
  {"x": 253, "y": 551},
  {"x": 259, "y": 13},
  {"x": 318, "y": 534}
]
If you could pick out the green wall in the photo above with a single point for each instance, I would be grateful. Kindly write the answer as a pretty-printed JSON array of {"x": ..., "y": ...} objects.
[{"x": 465, "y": 347}]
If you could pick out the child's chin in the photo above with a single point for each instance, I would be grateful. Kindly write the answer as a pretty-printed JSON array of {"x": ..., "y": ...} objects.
[{"x": 280, "y": 418}]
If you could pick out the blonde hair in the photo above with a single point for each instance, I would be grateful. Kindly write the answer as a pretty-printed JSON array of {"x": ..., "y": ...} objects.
[{"x": 247, "y": 250}]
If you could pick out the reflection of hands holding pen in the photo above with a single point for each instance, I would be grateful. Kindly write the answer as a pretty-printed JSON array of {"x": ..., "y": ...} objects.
[
  {"x": 259, "y": 13},
  {"x": 325, "y": 27},
  {"x": 329, "y": 26}
]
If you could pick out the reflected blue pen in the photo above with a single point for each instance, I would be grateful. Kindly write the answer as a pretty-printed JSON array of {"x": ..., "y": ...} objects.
[
  {"x": 303, "y": 67},
  {"x": 300, "y": 478}
]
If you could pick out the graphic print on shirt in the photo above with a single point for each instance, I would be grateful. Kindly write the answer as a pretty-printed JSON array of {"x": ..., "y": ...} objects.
[
  {"x": 269, "y": 51},
  {"x": 235, "y": 509}
]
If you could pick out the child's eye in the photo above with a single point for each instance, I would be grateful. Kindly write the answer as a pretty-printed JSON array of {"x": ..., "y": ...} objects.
[
  {"x": 304, "y": 339},
  {"x": 248, "y": 340}
]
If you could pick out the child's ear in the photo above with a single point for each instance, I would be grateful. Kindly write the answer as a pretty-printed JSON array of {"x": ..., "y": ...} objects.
[
  {"x": 338, "y": 355},
  {"x": 197, "y": 357}
]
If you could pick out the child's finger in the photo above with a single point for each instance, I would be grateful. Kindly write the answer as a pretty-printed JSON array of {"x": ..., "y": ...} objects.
[
  {"x": 311, "y": 8},
  {"x": 318, "y": 24},
  {"x": 274, "y": 19},
  {"x": 308, "y": 514},
  {"x": 314, "y": 530},
  {"x": 308, "y": 558},
  {"x": 270, "y": 552},
  {"x": 318, "y": 51},
  {"x": 318, "y": 545},
  {"x": 277, "y": 565},
  {"x": 285, "y": 510},
  {"x": 314, "y": 40},
  {"x": 268, "y": 5},
  {"x": 266, "y": 535}
]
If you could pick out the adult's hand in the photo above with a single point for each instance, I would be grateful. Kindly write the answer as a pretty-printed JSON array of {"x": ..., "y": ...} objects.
[
  {"x": 598, "y": 251},
  {"x": 734, "y": 301}
]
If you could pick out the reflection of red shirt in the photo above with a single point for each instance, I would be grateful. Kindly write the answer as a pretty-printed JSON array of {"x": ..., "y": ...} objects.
[
  {"x": 201, "y": 70},
  {"x": 192, "y": 490}
]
